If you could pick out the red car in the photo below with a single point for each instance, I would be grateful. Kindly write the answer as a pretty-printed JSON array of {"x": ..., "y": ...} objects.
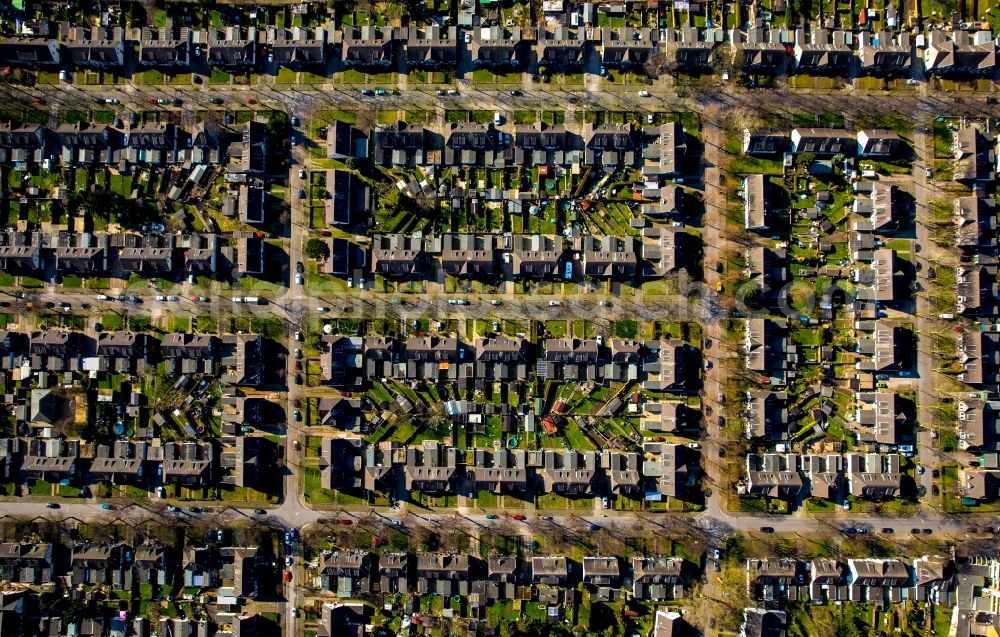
[
  {"x": 288, "y": 576},
  {"x": 38, "y": 100},
  {"x": 152, "y": 100},
  {"x": 251, "y": 100},
  {"x": 519, "y": 517},
  {"x": 344, "y": 521}
]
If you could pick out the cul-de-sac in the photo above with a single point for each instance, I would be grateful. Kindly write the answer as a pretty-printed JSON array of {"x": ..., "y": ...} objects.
[{"x": 499, "y": 318}]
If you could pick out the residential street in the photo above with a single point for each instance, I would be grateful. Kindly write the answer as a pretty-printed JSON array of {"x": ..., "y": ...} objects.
[{"x": 295, "y": 305}]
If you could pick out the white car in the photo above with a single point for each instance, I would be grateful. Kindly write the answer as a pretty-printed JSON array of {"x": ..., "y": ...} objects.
[
  {"x": 643, "y": 93},
  {"x": 297, "y": 336},
  {"x": 554, "y": 303},
  {"x": 496, "y": 118},
  {"x": 160, "y": 297},
  {"x": 103, "y": 297},
  {"x": 350, "y": 282},
  {"x": 298, "y": 279}
]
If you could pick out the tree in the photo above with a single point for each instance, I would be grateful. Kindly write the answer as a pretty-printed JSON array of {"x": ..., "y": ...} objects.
[{"x": 317, "y": 249}]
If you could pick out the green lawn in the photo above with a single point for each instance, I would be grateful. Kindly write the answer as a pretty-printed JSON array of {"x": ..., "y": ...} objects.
[
  {"x": 219, "y": 76},
  {"x": 286, "y": 76}
]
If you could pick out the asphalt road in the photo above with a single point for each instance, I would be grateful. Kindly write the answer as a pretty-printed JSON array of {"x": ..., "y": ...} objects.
[{"x": 293, "y": 514}]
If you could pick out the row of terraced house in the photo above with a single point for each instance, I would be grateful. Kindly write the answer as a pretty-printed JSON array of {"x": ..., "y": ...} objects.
[
  {"x": 554, "y": 45},
  {"x": 658, "y": 365},
  {"x": 661, "y": 471}
]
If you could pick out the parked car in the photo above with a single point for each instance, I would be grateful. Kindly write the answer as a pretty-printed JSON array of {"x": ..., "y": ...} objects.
[
  {"x": 52, "y": 505},
  {"x": 491, "y": 516},
  {"x": 519, "y": 517}
]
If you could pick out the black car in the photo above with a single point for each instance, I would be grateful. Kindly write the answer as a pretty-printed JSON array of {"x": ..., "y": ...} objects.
[
  {"x": 177, "y": 101},
  {"x": 298, "y": 379},
  {"x": 888, "y": 529},
  {"x": 216, "y": 100},
  {"x": 299, "y": 268},
  {"x": 52, "y": 505},
  {"x": 260, "y": 511},
  {"x": 767, "y": 529}
]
